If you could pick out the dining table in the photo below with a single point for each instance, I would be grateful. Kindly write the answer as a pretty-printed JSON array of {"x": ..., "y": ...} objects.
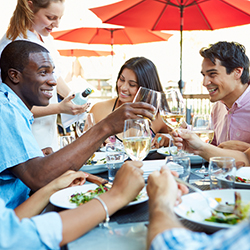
[{"x": 128, "y": 226}]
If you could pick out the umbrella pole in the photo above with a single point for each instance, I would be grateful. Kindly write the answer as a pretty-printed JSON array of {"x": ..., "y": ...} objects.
[
  {"x": 112, "y": 61},
  {"x": 181, "y": 83}
]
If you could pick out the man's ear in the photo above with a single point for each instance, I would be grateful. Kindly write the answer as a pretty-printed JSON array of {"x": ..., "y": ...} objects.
[
  {"x": 14, "y": 75},
  {"x": 238, "y": 72}
]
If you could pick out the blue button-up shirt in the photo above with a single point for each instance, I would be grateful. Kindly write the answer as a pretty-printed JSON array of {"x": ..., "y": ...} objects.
[
  {"x": 17, "y": 145},
  {"x": 40, "y": 232},
  {"x": 236, "y": 237}
]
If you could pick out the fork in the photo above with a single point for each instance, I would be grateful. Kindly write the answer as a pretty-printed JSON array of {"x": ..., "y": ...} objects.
[{"x": 213, "y": 204}]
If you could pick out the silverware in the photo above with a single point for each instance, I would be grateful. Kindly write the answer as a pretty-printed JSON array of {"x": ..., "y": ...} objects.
[{"x": 213, "y": 204}]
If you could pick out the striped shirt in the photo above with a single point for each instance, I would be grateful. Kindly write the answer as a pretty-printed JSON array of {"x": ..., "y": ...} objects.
[{"x": 238, "y": 237}]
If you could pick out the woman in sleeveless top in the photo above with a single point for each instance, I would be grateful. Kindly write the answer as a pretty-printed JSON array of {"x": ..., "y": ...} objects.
[{"x": 136, "y": 72}]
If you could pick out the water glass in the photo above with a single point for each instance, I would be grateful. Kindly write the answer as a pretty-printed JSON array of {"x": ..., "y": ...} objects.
[
  {"x": 222, "y": 171},
  {"x": 115, "y": 157},
  {"x": 181, "y": 165},
  {"x": 84, "y": 123},
  {"x": 66, "y": 140}
]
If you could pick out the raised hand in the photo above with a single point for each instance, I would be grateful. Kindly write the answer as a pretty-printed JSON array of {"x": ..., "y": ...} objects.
[
  {"x": 68, "y": 107},
  {"x": 116, "y": 119}
]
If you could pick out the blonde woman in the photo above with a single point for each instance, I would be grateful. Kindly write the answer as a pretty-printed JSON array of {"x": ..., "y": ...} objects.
[{"x": 34, "y": 20}]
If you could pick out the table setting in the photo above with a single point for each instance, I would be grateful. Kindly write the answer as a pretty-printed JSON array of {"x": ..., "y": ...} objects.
[{"x": 128, "y": 226}]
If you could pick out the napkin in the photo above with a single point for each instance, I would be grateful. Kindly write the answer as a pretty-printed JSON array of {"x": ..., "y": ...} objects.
[{"x": 150, "y": 166}]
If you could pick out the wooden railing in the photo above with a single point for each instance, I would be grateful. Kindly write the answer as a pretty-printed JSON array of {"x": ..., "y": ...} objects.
[{"x": 198, "y": 103}]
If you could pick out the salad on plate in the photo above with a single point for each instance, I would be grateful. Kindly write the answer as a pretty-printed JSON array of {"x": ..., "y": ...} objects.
[
  {"x": 240, "y": 213},
  {"x": 81, "y": 198}
]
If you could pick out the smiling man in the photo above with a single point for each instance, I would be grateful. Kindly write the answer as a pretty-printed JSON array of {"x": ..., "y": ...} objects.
[
  {"x": 27, "y": 73},
  {"x": 225, "y": 68}
]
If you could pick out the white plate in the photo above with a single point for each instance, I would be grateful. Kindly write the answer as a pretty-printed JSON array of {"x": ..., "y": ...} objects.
[
  {"x": 195, "y": 159},
  {"x": 62, "y": 197},
  {"x": 198, "y": 204},
  {"x": 98, "y": 167},
  {"x": 243, "y": 172},
  {"x": 95, "y": 168}
]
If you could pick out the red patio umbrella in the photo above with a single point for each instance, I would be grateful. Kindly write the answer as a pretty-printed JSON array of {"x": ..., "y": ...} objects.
[
  {"x": 83, "y": 52},
  {"x": 176, "y": 15},
  {"x": 119, "y": 35}
]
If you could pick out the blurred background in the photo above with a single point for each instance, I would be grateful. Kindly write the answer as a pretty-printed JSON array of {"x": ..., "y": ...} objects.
[{"x": 100, "y": 72}]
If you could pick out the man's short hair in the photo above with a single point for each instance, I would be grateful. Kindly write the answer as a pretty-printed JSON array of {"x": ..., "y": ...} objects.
[
  {"x": 231, "y": 54},
  {"x": 16, "y": 55}
]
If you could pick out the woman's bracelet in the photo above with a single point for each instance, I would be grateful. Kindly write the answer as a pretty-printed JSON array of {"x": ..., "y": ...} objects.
[{"x": 107, "y": 219}]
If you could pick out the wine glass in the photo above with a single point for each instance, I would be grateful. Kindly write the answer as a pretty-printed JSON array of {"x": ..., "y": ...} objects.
[
  {"x": 202, "y": 125},
  {"x": 222, "y": 171},
  {"x": 136, "y": 138},
  {"x": 172, "y": 110},
  {"x": 149, "y": 96},
  {"x": 181, "y": 165},
  {"x": 66, "y": 140},
  {"x": 84, "y": 123}
]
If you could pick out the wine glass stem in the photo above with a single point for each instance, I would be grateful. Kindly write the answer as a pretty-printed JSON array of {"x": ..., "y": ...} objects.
[{"x": 203, "y": 167}]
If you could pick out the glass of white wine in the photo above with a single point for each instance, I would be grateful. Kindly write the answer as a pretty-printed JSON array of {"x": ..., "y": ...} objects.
[
  {"x": 202, "y": 125},
  {"x": 137, "y": 138},
  {"x": 149, "y": 96},
  {"x": 172, "y": 110}
]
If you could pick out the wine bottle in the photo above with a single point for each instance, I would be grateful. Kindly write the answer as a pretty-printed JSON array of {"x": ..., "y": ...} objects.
[{"x": 82, "y": 98}]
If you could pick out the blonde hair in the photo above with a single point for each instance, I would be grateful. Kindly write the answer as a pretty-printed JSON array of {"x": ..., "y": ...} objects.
[{"x": 23, "y": 16}]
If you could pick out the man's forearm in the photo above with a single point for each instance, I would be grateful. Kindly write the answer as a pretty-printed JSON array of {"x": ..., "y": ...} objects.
[
  {"x": 38, "y": 172},
  {"x": 207, "y": 151}
]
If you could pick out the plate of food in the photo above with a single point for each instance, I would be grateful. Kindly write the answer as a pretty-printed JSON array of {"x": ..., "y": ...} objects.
[
  {"x": 72, "y": 197},
  {"x": 242, "y": 179},
  {"x": 195, "y": 159},
  {"x": 195, "y": 209},
  {"x": 95, "y": 164}
]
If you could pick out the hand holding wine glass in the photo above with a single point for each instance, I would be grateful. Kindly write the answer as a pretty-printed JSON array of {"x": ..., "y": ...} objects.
[
  {"x": 136, "y": 138},
  {"x": 149, "y": 96}
]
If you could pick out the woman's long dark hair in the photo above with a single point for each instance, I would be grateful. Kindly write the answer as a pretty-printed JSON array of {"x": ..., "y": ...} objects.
[{"x": 145, "y": 71}]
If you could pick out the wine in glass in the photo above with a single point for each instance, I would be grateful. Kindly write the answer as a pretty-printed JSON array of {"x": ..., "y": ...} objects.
[
  {"x": 149, "y": 96},
  {"x": 137, "y": 138},
  {"x": 202, "y": 125},
  {"x": 172, "y": 110},
  {"x": 84, "y": 123}
]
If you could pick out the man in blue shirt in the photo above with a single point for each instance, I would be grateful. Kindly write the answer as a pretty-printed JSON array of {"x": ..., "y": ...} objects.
[{"x": 27, "y": 74}]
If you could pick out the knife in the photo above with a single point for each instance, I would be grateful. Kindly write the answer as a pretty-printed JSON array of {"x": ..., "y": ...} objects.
[{"x": 98, "y": 180}]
